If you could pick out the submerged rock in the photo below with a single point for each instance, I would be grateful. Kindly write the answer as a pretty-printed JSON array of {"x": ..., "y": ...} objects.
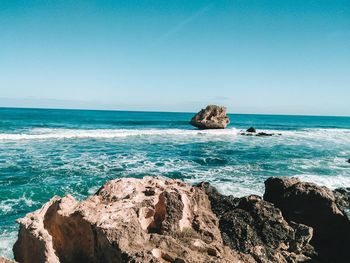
[
  {"x": 252, "y": 132},
  {"x": 128, "y": 220},
  {"x": 315, "y": 206},
  {"x": 212, "y": 117},
  {"x": 254, "y": 226}
]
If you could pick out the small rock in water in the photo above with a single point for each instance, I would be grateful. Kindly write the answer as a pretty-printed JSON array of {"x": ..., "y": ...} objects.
[
  {"x": 251, "y": 129},
  {"x": 349, "y": 160},
  {"x": 264, "y": 134},
  {"x": 259, "y": 134}
]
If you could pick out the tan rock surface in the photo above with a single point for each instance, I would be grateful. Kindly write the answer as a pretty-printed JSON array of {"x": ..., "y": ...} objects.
[
  {"x": 212, "y": 117},
  {"x": 128, "y": 220}
]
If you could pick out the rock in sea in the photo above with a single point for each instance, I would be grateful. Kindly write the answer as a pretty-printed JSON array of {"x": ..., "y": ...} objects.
[
  {"x": 251, "y": 129},
  {"x": 212, "y": 117}
]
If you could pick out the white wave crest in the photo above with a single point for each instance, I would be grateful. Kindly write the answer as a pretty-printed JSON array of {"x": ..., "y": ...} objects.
[
  {"x": 332, "y": 182},
  {"x": 328, "y": 134},
  {"x": 7, "y": 240},
  {"x": 44, "y": 134}
]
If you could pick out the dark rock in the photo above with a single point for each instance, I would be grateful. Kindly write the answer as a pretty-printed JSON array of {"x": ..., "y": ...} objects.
[
  {"x": 255, "y": 227},
  {"x": 251, "y": 129},
  {"x": 212, "y": 117},
  {"x": 260, "y": 134},
  {"x": 315, "y": 206},
  {"x": 264, "y": 134},
  {"x": 349, "y": 160},
  {"x": 342, "y": 198}
]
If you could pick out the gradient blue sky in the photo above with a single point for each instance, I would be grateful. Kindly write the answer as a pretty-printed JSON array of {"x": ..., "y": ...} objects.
[{"x": 288, "y": 57}]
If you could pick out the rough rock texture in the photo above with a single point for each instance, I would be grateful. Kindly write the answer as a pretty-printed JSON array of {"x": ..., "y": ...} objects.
[
  {"x": 256, "y": 227},
  {"x": 315, "y": 206},
  {"x": 5, "y": 260},
  {"x": 342, "y": 198},
  {"x": 212, "y": 117},
  {"x": 128, "y": 220}
]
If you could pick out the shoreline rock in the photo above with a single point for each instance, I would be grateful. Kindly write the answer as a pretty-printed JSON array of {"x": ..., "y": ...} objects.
[
  {"x": 315, "y": 206},
  {"x": 255, "y": 227},
  {"x": 212, "y": 117},
  {"x": 128, "y": 220},
  {"x": 156, "y": 219}
]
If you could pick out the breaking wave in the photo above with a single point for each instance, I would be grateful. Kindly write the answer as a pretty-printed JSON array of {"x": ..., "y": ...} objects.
[{"x": 43, "y": 134}]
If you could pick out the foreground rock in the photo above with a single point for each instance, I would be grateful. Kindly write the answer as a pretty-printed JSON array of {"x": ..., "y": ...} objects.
[
  {"x": 318, "y": 207},
  {"x": 212, "y": 117},
  {"x": 254, "y": 226},
  {"x": 5, "y": 260},
  {"x": 128, "y": 220},
  {"x": 155, "y": 219}
]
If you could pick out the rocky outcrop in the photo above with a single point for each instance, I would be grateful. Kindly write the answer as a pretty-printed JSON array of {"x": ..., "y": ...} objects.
[
  {"x": 315, "y": 206},
  {"x": 212, "y": 117},
  {"x": 155, "y": 219},
  {"x": 255, "y": 227},
  {"x": 128, "y": 220}
]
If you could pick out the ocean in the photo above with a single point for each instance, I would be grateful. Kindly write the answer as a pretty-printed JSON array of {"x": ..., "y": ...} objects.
[{"x": 46, "y": 152}]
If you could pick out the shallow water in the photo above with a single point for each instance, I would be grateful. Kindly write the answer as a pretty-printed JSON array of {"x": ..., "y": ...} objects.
[{"x": 55, "y": 152}]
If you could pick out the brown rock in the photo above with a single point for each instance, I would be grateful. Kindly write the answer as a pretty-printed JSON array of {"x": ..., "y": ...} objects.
[
  {"x": 212, "y": 117},
  {"x": 128, "y": 220}
]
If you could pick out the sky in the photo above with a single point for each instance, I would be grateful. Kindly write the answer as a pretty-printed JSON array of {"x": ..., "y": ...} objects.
[{"x": 279, "y": 57}]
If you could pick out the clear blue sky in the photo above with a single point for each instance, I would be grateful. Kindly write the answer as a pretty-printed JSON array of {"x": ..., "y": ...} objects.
[{"x": 289, "y": 57}]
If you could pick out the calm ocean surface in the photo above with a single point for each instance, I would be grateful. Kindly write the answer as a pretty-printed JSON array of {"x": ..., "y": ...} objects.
[{"x": 55, "y": 152}]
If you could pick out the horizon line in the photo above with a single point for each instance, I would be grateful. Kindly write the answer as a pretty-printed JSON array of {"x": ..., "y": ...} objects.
[{"x": 157, "y": 111}]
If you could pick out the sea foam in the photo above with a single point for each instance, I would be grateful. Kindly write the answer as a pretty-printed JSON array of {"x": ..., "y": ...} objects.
[{"x": 43, "y": 134}]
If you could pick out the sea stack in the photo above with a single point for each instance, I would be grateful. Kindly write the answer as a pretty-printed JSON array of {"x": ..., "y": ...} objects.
[{"x": 212, "y": 117}]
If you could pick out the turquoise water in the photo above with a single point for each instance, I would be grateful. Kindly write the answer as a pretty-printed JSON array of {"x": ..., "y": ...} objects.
[{"x": 55, "y": 152}]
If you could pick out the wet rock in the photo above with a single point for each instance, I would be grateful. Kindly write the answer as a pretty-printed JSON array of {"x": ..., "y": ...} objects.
[
  {"x": 251, "y": 129},
  {"x": 348, "y": 160},
  {"x": 128, "y": 220},
  {"x": 212, "y": 117},
  {"x": 315, "y": 206},
  {"x": 255, "y": 227},
  {"x": 260, "y": 134}
]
